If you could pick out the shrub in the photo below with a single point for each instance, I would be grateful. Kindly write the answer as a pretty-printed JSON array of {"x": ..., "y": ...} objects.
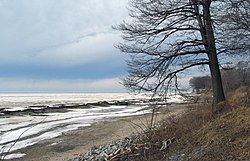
[{"x": 239, "y": 97}]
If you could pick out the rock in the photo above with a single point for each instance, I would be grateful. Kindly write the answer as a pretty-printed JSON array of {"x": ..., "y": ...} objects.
[{"x": 108, "y": 151}]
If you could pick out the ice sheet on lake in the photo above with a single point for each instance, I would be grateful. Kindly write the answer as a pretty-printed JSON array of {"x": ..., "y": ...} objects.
[
  {"x": 55, "y": 124},
  {"x": 30, "y": 130},
  {"x": 13, "y": 156}
]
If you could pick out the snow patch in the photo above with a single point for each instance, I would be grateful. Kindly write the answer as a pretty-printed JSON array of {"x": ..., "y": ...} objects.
[{"x": 13, "y": 156}]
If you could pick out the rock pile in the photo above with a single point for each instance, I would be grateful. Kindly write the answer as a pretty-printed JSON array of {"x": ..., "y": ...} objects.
[{"x": 109, "y": 151}]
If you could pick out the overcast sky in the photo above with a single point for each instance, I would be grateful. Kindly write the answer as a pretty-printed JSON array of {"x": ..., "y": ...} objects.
[{"x": 61, "y": 45}]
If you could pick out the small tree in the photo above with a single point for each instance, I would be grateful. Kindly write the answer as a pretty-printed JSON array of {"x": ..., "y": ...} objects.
[{"x": 199, "y": 83}]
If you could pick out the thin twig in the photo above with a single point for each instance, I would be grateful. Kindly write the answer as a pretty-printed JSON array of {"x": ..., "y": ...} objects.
[{"x": 19, "y": 137}]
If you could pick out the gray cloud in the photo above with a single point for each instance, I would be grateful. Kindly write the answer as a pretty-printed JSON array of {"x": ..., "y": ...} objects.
[
  {"x": 31, "y": 27},
  {"x": 41, "y": 35}
]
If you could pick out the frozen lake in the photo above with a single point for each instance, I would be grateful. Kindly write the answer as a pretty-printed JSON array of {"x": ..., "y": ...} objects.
[{"x": 65, "y": 112}]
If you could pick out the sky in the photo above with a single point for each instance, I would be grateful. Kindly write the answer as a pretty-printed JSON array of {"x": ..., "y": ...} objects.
[{"x": 61, "y": 46}]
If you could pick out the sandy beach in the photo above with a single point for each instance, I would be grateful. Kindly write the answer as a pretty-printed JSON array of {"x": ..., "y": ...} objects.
[{"x": 73, "y": 143}]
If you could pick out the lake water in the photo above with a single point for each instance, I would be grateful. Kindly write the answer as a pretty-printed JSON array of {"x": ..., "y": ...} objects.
[
  {"x": 19, "y": 130},
  {"x": 24, "y": 100}
]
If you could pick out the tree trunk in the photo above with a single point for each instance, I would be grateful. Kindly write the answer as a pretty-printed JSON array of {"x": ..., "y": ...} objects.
[{"x": 218, "y": 93}]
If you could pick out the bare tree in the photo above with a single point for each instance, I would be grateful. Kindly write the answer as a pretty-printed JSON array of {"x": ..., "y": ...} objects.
[
  {"x": 199, "y": 83},
  {"x": 166, "y": 37},
  {"x": 233, "y": 27},
  {"x": 237, "y": 76}
]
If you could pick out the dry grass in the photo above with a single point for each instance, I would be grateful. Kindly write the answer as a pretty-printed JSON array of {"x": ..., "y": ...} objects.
[
  {"x": 199, "y": 134},
  {"x": 221, "y": 108},
  {"x": 238, "y": 98},
  {"x": 171, "y": 129},
  {"x": 225, "y": 138}
]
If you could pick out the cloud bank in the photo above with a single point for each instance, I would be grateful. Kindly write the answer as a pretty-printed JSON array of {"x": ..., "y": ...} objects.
[
  {"x": 62, "y": 85},
  {"x": 53, "y": 42}
]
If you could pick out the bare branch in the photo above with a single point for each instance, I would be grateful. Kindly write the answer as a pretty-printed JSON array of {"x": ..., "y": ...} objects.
[{"x": 165, "y": 38}]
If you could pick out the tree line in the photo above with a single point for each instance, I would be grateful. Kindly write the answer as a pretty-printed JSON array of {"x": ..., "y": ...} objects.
[{"x": 232, "y": 78}]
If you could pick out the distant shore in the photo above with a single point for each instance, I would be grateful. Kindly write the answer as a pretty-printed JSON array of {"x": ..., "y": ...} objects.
[{"x": 76, "y": 142}]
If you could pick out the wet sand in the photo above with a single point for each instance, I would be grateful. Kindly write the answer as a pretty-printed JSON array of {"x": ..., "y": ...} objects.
[{"x": 74, "y": 143}]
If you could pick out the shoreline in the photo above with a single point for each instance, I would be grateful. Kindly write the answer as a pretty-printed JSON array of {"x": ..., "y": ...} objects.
[
  {"x": 73, "y": 143},
  {"x": 32, "y": 128}
]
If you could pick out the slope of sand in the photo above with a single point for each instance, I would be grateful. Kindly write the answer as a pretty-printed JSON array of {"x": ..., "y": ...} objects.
[{"x": 74, "y": 143}]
